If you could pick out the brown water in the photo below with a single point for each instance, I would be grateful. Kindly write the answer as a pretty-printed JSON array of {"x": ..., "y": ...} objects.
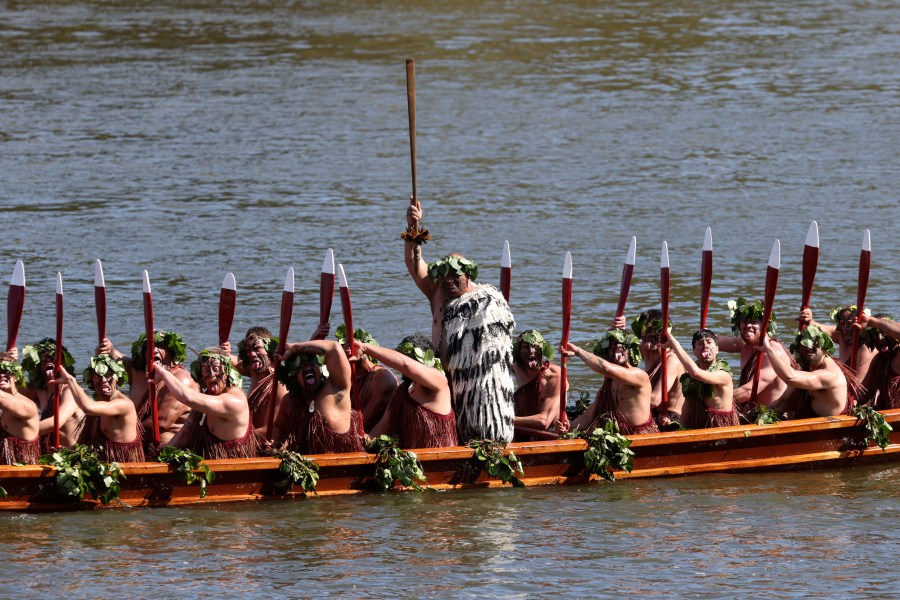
[{"x": 196, "y": 138}]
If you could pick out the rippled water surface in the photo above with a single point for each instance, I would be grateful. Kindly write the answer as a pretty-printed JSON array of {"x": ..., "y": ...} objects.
[{"x": 194, "y": 138}]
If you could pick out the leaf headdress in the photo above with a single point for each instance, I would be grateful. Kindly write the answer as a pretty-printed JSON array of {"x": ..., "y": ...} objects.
[
  {"x": 360, "y": 335},
  {"x": 452, "y": 264},
  {"x": 741, "y": 310},
  {"x": 869, "y": 335},
  {"x": 642, "y": 324},
  {"x": 288, "y": 374},
  {"x": 426, "y": 357},
  {"x": 271, "y": 344},
  {"x": 14, "y": 369},
  {"x": 631, "y": 343},
  {"x": 169, "y": 340},
  {"x": 101, "y": 365},
  {"x": 835, "y": 313},
  {"x": 533, "y": 337},
  {"x": 232, "y": 377},
  {"x": 811, "y": 337},
  {"x": 31, "y": 362}
]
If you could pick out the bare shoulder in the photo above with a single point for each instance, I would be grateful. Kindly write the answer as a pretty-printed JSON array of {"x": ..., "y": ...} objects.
[
  {"x": 552, "y": 373},
  {"x": 183, "y": 376}
]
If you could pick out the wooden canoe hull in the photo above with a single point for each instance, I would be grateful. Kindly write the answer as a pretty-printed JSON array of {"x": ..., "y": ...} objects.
[{"x": 802, "y": 444}]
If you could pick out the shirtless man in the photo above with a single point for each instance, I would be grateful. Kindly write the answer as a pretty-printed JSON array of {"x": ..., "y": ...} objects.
[
  {"x": 880, "y": 334},
  {"x": 375, "y": 385},
  {"x": 316, "y": 417},
  {"x": 625, "y": 394},
  {"x": 822, "y": 378},
  {"x": 255, "y": 354},
  {"x": 707, "y": 385},
  {"x": 420, "y": 413},
  {"x": 38, "y": 363},
  {"x": 472, "y": 330},
  {"x": 538, "y": 384},
  {"x": 841, "y": 333},
  {"x": 168, "y": 354},
  {"x": 111, "y": 422},
  {"x": 219, "y": 425},
  {"x": 19, "y": 417}
]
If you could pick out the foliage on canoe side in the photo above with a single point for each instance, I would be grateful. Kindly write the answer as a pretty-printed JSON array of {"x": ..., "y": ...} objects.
[
  {"x": 3, "y": 492},
  {"x": 877, "y": 430},
  {"x": 296, "y": 469},
  {"x": 394, "y": 464},
  {"x": 607, "y": 450},
  {"x": 762, "y": 415},
  {"x": 187, "y": 463},
  {"x": 80, "y": 471},
  {"x": 503, "y": 467}
]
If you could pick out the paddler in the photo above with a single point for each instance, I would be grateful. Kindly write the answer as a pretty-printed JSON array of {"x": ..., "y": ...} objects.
[
  {"x": 841, "y": 333},
  {"x": 219, "y": 425},
  {"x": 375, "y": 385},
  {"x": 420, "y": 414},
  {"x": 19, "y": 418},
  {"x": 472, "y": 330},
  {"x": 316, "y": 417},
  {"x": 255, "y": 355},
  {"x": 625, "y": 393},
  {"x": 880, "y": 333},
  {"x": 706, "y": 385},
  {"x": 538, "y": 383},
  {"x": 111, "y": 422}
]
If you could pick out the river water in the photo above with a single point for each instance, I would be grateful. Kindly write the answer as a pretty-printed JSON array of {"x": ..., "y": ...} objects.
[{"x": 195, "y": 138}]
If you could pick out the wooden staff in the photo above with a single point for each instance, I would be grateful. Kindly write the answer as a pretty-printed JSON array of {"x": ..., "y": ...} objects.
[
  {"x": 566, "y": 322},
  {"x": 706, "y": 270},
  {"x": 326, "y": 288},
  {"x": 15, "y": 304},
  {"x": 57, "y": 361},
  {"x": 347, "y": 309},
  {"x": 411, "y": 108},
  {"x": 227, "y": 302},
  {"x": 664, "y": 298},
  {"x": 100, "y": 300},
  {"x": 865, "y": 261},
  {"x": 810, "y": 264},
  {"x": 150, "y": 355},
  {"x": 287, "y": 310},
  {"x": 505, "y": 271},
  {"x": 771, "y": 285},
  {"x": 627, "y": 272}
]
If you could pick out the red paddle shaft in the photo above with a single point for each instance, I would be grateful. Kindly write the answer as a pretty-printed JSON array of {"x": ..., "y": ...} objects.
[
  {"x": 505, "y": 272},
  {"x": 706, "y": 271},
  {"x": 57, "y": 361},
  {"x": 150, "y": 355},
  {"x": 100, "y": 300},
  {"x": 347, "y": 309},
  {"x": 664, "y": 298},
  {"x": 326, "y": 288},
  {"x": 15, "y": 304},
  {"x": 566, "y": 322},
  {"x": 627, "y": 272},
  {"x": 810, "y": 264},
  {"x": 287, "y": 309},
  {"x": 771, "y": 286},
  {"x": 865, "y": 261},
  {"x": 227, "y": 302}
]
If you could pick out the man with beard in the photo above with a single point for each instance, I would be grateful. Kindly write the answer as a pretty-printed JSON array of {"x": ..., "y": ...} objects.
[
  {"x": 420, "y": 413},
  {"x": 880, "y": 334},
  {"x": 255, "y": 353},
  {"x": 375, "y": 385},
  {"x": 316, "y": 417},
  {"x": 625, "y": 394},
  {"x": 707, "y": 386},
  {"x": 19, "y": 418},
  {"x": 841, "y": 333},
  {"x": 219, "y": 426},
  {"x": 111, "y": 422},
  {"x": 538, "y": 383},
  {"x": 168, "y": 354},
  {"x": 38, "y": 364},
  {"x": 472, "y": 330}
]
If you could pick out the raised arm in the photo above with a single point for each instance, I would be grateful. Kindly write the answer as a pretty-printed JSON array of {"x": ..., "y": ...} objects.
[
  {"x": 817, "y": 380},
  {"x": 806, "y": 318},
  {"x": 67, "y": 408},
  {"x": 427, "y": 377},
  {"x": 886, "y": 326},
  {"x": 18, "y": 406},
  {"x": 692, "y": 368},
  {"x": 335, "y": 359},
  {"x": 632, "y": 377},
  {"x": 113, "y": 408},
  {"x": 412, "y": 256},
  {"x": 225, "y": 406}
]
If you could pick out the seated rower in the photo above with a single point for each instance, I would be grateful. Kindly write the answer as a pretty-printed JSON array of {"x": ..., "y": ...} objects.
[
  {"x": 375, "y": 385},
  {"x": 420, "y": 414},
  {"x": 824, "y": 387},
  {"x": 881, "y": 333},
  {"x": 538, "y": 384},
  {"x": 707, "y": 384},
  {"x": 316, "y": 417},
  {"x": 255, "y": 355},
  {"x": 19, "y": 417},
  {"x": 625, "y": 394},
  {"x": 38, "y": 364},
  {"x": 219, "y": 425},
  {"x": 648, "y": 327},
  {"x": 841, "y": 333},
  {"x": 111, "y": 422}
]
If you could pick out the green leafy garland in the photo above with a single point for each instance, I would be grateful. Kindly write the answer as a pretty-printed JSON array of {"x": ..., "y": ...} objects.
[
  {"x": 452, "y": 264},
  {"x": 360, "y": 335},
  {"x": 426, "y": 357},
  {"x": 80, "y": 471},
  {"x": 631, "y": 343},
  {"x": 393, "y": 464},
  {"x": 187, "y": 463},
  {"x": 232, "y": 377},
  {"x": 583, "y": 402},
  {"x": 503, "y": 467},
  {"x": 101, "y": 365},
  {"x": 31, "y": 362},
  {"x": 13, "y": 369},
  {"x": 533, "y": 337},
  {"x": 811, "y": 337},
  {"x": 877, "y": 429},
  {"x": 762, "y": 415},
  {"x": 288, "y": 374},
  {"x": 296, "y": 470},
  {"x": 741, "y": 311},
  {"x": 693, "y": 388},
  {"x": 869, "y": 335},
  {"x": 270, "y": 343},
  {"x": 169, "y": 340},
  {"x": 835, "y": 313},
  {"x": 642, "y": 324},
  {"x": 607, "y": 449}
]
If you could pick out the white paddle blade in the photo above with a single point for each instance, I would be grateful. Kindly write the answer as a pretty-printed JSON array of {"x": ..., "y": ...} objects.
[
  {"x": 567, "y": 266},
  {"x": 505, "y": 260},
  {"x": 146, "y": 282},
  {"x": 632, "y": 251},
  {"x": 289, "y": 280},
  {"x": 328, "y": 264},
  {"x": 98, "y": 274},
  {"x": 59, "y": 283},
  {"x": 229, "y": 283},
  {"x": 775, "y": 255},
  {"x": 812, "y": 236},
  {"x": 342, "y": 279},
  {"x": 18, "y": 275},
  {"x": 867, "y": 242},
  {"x": 707, "y": 240},
  {"x": 664, "y": 256}
]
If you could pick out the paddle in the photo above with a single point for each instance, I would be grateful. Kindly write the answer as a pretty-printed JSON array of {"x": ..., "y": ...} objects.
[
  {"x": 566, "y": 318},
  {"x": 100, "y": 299},
  {"x": 347, "y": 309},
  {"x": 326, "y": 288},
  {"x": 227, "y": 302},
  {"x": 771, "y": 284},
  {"x": 664, "y": 298},
  {"x": 150, "y": 355},
  {"x": 706, "y": 268},
  {"x": 865, "y": 261},
  {"x": 505, "y": 271},
  {"x": 15, "y": 304},
  {"x": 287, "y": 310},
  {"x": 810, "y": 264},
  {"x": 58, "y": 358},
  {"x": 627, "y": 272}
]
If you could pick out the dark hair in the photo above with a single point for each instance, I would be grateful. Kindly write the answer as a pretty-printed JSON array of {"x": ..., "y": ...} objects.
[
  {"x": 260, "y": 332},
  {"x": 704, "y": 334},
  {"x": 419, "y": 341}
]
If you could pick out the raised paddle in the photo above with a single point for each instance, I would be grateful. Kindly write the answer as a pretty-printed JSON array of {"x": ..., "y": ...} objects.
[
  {"x": 100, "y": 299},
  {"x": 326, "y": 288},
  {"x": 865, "y": 261},
  {"x": 771, "y": 285},
  {"x": 664, "y": 299},
  {"x": 57, "y": 360},
  {"x": 347, "y": 309},
  {"x": 706, "y": 269},
  {"x": 15, "y": 304},
  {"x": 627, "y": 272},
  {"x": 505, "y": 271},
  {"x": 566, "y": 322},
  {"x": 149, "y": 356},
  {"x": 810, "y": 264},
  {"x": 227, "y": 301},
  {"x": 287, "y": 311}
]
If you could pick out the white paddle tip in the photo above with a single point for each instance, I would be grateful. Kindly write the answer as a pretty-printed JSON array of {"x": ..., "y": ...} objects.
[
  {"x": 632, "y": 251},
  {"x": 18, "y": 275},
  {"x": 707, "y": 240},
  {"x": 812, "y": 236},
  {"x": 505, "y": 259},
  {"x": 328, "y": 263},
  {"x": 664, "y": 256},
  {"x": 289, "y": 280},
  {"x": 342, "y": 279},
  {"x": 146, "y": 282},
  {"x": 567, "y": 266},
  {"x": 59, "y": 290},
  {"x": 867, "y": 241},
  {"x": 775, "y": 255},
  {"x": 99, "y": 281},
  {"x": 229, "y": 283}
]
